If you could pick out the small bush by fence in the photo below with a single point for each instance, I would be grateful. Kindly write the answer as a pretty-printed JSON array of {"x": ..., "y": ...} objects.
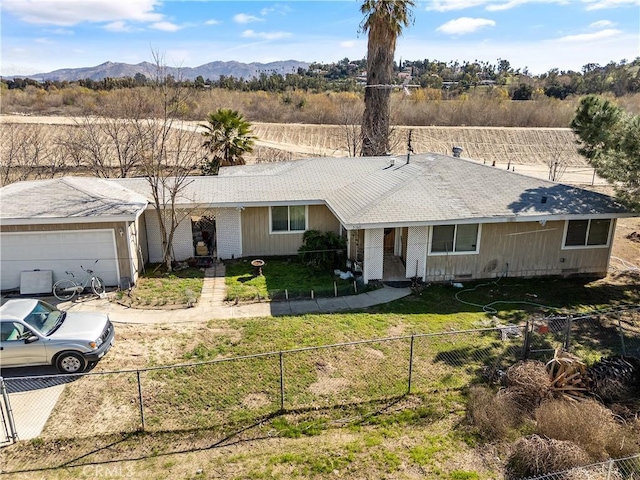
[{"x": 618, "y": 469}]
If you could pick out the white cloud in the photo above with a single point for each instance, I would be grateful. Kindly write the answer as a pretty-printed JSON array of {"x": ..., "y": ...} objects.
[
  {"x": 499, "y": 5},
  {"x": 277, "y": 8},
  {"x": 72, "y": 12},
  {"x": 348, "y": 44},
  {"x": 166, "y": 26},
  {"x": 244, "y": 18},
  {"x": 604, "y": 4},
  {"x": 464, "y": 25},
  {"x": 601, "y": 24},
  {"x": 589, "y": 37},
  {"x": 449, "y": 5},
  {"x": 265, "y": 35},
  {"x": 43, "y": 41},
  {"x": 213, "y": 21},
  {"x": 118, "y": 26},
  {"x": 61, "y": 31}
]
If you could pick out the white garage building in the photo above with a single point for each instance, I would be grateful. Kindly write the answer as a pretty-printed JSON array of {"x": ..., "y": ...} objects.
[{"x": 64, "y": 224}]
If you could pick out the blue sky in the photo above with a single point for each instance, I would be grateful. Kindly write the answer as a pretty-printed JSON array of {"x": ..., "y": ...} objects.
[{"x": 44, "y": 35}]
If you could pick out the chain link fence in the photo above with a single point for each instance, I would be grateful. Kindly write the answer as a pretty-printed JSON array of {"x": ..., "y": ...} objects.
[
  {"x": 619, "y": 469},
  {"x": 614, "y": 331},
  {"x": 245, "y": 390},
  {"x": 229, "y": 395}
]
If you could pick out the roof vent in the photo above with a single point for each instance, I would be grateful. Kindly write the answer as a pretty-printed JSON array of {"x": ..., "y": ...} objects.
[
  {"x": 456, "y": 151},
  {"x": 543, "y": 199}
]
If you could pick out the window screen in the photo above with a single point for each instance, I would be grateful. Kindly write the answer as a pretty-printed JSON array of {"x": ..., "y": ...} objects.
[
  {"x": 279, "y": 219},
  {"x": 598, "y": 232},
  {"x": 576, "y": 233},
  {"x": 466, "y": 238},
  {"x": 297, "y": 218},
  {"x": 442, "y": 239}
]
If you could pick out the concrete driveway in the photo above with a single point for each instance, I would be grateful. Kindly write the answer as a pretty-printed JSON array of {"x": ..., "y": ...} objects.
[{"x": 33, "y": 394}]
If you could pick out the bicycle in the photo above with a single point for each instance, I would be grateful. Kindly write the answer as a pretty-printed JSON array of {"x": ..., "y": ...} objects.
[{"x": 66, "y": 289}]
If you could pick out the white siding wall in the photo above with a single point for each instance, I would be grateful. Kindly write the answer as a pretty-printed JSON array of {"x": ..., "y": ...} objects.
[
  {"x": 182, "y": 239},
  {"x": 373, "y": 254},
  {"x": 416, "y": 251},
  {"x": 228, "y": 233}
]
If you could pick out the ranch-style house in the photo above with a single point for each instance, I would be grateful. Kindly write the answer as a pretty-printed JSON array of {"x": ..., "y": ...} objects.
[{"x": 440, "y": 218}]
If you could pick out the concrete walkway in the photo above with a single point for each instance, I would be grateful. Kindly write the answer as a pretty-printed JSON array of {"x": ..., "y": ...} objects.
[{"x": 211, "y": 304}]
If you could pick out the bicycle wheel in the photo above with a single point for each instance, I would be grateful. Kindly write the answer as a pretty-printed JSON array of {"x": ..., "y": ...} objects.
[
  {"x": 64, "y": 289},
  {"x": 97, "y": 285}
]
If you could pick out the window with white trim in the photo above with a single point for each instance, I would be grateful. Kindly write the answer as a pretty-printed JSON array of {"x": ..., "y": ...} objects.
[
  {"x": 461, "y": 238},
  {"x": 587, "y": 233},
  {"x": 292, "y": 218}
]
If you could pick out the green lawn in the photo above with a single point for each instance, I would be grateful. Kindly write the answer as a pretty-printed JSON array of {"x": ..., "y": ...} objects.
[
  {"x": 157, "y": 288},
  {"x": 345, "y": 407},
  {"x": 280, "y": 274}
]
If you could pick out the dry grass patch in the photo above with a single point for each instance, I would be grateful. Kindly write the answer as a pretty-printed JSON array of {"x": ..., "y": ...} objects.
[
  {"x": 588, "y": 424},
  {"x": 495, "y": 416},
  {"x": 535, "y": 455},
  {"x": 528, "y": 384}
]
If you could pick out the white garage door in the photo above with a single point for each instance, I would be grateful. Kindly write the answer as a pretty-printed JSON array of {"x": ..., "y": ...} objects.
[{"x": 58, "y": 251}]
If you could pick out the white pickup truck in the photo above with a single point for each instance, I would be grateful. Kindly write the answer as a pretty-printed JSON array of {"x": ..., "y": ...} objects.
[{"x": 33, "y": 332}]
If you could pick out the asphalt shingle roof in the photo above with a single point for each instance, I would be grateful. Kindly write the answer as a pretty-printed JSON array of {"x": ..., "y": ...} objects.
[
  {"x": 79, "y": 198},
  {"x": 360, "y": 191},
  {"x": 429, "y": 189}
]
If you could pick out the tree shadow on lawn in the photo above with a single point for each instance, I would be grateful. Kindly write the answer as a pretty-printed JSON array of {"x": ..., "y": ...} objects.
[{"x": 512, "y": 297}]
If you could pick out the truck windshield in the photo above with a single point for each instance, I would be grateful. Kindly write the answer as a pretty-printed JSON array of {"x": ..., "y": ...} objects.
[{"x": 45, "y": 318}]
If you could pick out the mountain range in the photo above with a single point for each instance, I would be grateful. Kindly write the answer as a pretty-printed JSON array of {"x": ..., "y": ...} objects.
[{"x": 210, "y": 71}]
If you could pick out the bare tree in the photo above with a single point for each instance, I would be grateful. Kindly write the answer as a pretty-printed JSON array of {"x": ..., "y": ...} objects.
[
  {"x": 27, "y": 154},
  {"x": 349, "y": 115},
  {"x": 169, "y": 155},
  {"x": 11, "y": 161},
  {"x": 557, "y": 163}
]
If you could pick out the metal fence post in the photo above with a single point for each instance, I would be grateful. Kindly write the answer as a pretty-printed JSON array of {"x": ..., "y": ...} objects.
[
  {"x": 410, "y": 366},
  {"x": 526, "y": 346},
  {"x": 281, "y": 381},
  {"x": 624, "y": 350},
  {"x": 610, "y": 469},
  {"x": 7, "y": 407},
  {"x": 140, "y": 400}
]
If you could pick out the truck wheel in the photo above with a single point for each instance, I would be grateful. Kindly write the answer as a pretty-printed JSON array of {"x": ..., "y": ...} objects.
[{"x": 70, "y": 362}]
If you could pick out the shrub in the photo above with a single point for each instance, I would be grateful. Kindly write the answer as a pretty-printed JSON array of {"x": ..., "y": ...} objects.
[
  {"x": 322, "y": 250},
  {"x": 528, "y": 383},
  {"x": 535, "y": 455},
  {"x": 495, "y": 416},
  {"x": 589, "y": 424}
]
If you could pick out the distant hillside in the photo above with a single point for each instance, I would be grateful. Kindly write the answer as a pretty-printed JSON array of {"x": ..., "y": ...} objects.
[{"x": 210, "y": 71}]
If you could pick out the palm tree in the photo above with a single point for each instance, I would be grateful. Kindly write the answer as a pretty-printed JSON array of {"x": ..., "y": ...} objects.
[
  {"x": 228, "y": 137},
  {"x": 384, "y": 20}
]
